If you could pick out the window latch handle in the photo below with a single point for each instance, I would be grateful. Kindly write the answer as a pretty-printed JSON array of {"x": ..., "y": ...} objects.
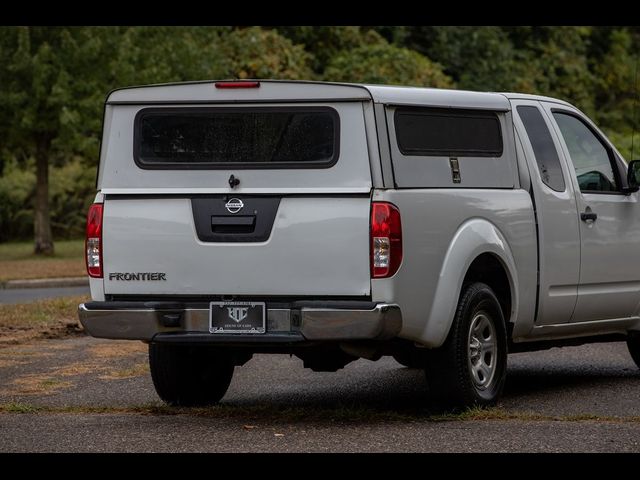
[{"x": 233, "y": 181}]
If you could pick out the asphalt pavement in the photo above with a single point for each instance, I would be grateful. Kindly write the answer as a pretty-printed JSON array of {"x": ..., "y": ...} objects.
[
  {"x": 24, "y": 295},
  {"x": 89, "y": 395},
  {"x": 180, "y": 433}
]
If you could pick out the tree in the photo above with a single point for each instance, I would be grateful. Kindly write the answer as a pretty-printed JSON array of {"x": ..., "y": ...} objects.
[
  {"x": 477, "y": 58},
  {"x": 384, "y": 63},
  {"x": 146, "y": 55},
  {"x": 53, "y": 82},
  {"x": 554, "y": 61},
  {"x": 44, "y": 104},
  {"x": 615, "y": 77},
  {"x": 257, "y": 53},
  {"x": 325, "y": 42}
]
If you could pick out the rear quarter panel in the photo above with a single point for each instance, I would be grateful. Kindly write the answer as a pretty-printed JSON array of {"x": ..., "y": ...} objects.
[{"x": 444, "y": 230}]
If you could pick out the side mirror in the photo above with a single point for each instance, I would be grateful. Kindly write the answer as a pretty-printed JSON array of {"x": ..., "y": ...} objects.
[{"x": 633, "y": 176}]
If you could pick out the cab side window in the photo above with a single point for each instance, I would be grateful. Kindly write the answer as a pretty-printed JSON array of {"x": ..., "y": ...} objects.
[
  {"x": 591, "y": 159},
  {"x": 543, "y": 147}
]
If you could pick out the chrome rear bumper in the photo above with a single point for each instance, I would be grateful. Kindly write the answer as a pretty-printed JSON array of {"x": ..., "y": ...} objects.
[{"x": 146, "y": 320}]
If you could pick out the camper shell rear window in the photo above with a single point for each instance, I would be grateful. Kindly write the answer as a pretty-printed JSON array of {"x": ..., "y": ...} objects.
[{"x": 236, "y": 137}]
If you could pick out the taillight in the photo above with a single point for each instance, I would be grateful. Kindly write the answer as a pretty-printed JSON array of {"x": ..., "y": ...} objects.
[
  {"x": 241, "y": 84},
  {"x": 386, "y": 239},
  {"x": 93, "y": 241}
]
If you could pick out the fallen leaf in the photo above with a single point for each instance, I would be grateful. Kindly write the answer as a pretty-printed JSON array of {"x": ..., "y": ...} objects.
[{"x": 249, "y": 427}]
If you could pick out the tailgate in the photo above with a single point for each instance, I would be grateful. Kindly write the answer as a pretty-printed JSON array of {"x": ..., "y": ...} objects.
[{"x": 316, "y": 246}]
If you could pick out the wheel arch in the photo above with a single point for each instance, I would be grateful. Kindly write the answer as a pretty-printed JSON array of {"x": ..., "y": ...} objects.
[
  {"x": 478, "y": 252},
  {"x": 488, "y": 268}
]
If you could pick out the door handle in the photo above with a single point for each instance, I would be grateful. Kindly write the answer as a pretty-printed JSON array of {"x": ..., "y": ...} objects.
[
  {"x": 244, "y": 221},
  {"x": 588, "y": 216},
  {"x": 230, "y": 225}
]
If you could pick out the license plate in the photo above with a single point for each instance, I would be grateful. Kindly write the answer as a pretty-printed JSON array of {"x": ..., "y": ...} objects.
[{"x": 237, "y": 317}]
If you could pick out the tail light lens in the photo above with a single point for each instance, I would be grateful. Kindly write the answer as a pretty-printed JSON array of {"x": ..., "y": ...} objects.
[
  {"x": 386, "y": 239},
  {"x": 93, "y": 241}
]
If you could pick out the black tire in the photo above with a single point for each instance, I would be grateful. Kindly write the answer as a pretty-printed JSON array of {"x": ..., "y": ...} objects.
[
  {"x": 633, "y": 342},
  {"x": 450, "y": 369},
  {"x": 189, "y": 376}
]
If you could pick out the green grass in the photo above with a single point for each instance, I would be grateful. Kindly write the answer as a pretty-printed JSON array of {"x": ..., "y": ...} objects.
[
  {"x": 477, "y": 413},
  {"x": 24, "y": 250},
  {"x": 18, "y": 407},
  {"x": 18, "y": 262},
  {"x": 50, "y": 318}
]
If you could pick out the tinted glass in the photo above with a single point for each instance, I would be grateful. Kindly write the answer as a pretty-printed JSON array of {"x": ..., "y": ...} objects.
[
  {"x": 440, "y": 132},
  {"x": 543, "y": 147},
  {"x": 589, "y": 156},
  {"x": 260, "y": 137}
]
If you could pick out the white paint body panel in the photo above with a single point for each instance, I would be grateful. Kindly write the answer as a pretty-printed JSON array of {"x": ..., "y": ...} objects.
[
  {"x": 96, "y": 287},
  {"x": 275, "y": 91},
  {"x": 609, "y": 285},
  {"x": 443, "y": 232},
  {"x": 351, "y": 174},
  {"x": 437, "y": 97},
  {"x": 268, "y": 91},
  {"x": 318, "y": 246},
  {"x": 609, "y": 279},
  {"x": 558, "y": 230}
]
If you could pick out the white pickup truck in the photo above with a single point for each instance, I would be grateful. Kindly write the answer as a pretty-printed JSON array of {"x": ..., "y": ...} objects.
[{"x": 343, "y": 221}]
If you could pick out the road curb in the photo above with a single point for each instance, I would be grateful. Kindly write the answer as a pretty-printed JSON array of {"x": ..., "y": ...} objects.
[{"x": 46, "y": 283}]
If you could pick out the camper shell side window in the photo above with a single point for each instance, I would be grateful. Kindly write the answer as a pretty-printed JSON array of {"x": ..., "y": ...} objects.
[{"x": 450, "y": 148}]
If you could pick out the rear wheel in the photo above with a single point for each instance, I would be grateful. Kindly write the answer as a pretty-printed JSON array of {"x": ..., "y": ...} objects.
[
  {"x": 189, "y": 376},
  {"x": 633, "y": 342},
  {"x": 470, "y": 367}
]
